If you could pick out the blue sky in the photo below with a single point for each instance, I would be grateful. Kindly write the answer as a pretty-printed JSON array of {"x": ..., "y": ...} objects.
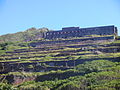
[{"x": 19, "y": 15}]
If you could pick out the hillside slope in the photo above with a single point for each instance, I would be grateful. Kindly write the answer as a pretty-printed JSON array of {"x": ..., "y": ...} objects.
[
  {"x": 79, "y": 63},
  {"x": 28, "y": 35}
]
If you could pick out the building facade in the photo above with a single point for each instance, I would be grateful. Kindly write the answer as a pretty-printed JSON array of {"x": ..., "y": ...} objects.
[{"x": 80, "y": 32}]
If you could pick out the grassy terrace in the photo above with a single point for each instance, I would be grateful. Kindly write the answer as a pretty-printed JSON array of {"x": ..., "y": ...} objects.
[
  {"x": 80, "y": 55},
  {"x": 58, "y": 53},
  {"x": 42, "y": 52},
  {"x": 62, "y": 52},
  {"x": 56, "y": 65}
]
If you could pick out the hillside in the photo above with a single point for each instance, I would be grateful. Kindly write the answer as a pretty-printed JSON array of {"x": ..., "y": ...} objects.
[
  {"x": 28, "y": 35},
  {"x": 78, "y": 63}
]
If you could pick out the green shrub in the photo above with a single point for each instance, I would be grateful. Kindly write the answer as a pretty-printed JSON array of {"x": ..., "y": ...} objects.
[
  {"x": 4, "y": 86},
  {"x": 94, "y": 66}
]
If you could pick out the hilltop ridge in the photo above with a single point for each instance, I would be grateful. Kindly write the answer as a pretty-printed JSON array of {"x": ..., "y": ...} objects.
[{"x": 27, "y": 35}]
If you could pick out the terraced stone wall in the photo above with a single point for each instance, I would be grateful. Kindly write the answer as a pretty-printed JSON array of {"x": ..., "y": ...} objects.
[{"x": 34, "y": 44}]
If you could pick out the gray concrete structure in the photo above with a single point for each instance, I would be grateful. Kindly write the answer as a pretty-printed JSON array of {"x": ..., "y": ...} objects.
[{"x": 80, "y": 32}]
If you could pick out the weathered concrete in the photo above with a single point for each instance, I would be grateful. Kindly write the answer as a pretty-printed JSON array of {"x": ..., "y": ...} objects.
[{"x": 80, "y": 32}]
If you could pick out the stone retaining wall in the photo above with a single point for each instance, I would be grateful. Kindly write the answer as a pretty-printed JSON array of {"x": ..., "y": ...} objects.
[{"x": 34, "y": 44}]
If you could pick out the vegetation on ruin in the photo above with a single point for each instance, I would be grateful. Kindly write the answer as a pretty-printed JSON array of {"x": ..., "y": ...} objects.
[
  {"x": 101, "y": 74},
  {"x": 87, "y": 65}
]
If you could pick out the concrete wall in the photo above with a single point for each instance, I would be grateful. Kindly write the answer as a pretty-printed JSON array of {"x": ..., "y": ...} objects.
[
  {"x": 76, "y": 32},
  {"x": 70, "y": 28}
]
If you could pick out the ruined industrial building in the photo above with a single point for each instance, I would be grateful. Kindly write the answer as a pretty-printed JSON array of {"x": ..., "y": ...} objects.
[{"x": 80, "y": 32}]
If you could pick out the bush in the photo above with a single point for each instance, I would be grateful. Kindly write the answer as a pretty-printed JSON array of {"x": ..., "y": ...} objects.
[
  {"x": 94, "y": 66},
  {"x": 4, "y": 86}
]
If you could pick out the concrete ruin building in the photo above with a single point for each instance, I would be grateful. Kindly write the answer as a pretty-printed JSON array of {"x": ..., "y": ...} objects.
[{"x": 81, "y": 32}]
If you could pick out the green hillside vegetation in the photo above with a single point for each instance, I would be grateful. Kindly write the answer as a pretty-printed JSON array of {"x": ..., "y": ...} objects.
[
  {"x": 105, "y": 76},
  {"x": 28, "y": 35},
  {"x": 84, "y": 65}
]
